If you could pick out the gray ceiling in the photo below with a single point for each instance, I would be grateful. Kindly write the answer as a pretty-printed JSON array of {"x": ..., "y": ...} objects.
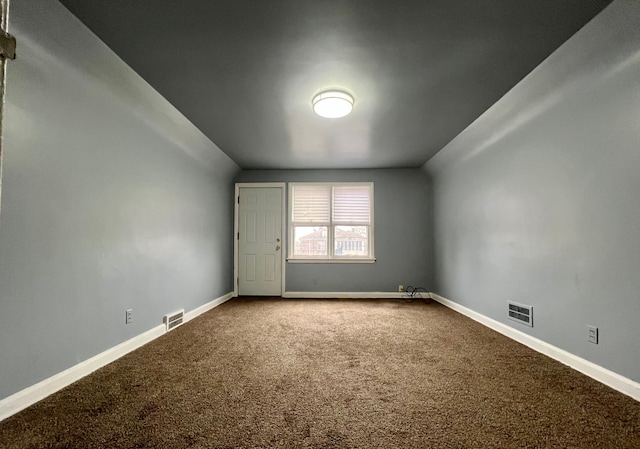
[{"x": 244, "y": 71}]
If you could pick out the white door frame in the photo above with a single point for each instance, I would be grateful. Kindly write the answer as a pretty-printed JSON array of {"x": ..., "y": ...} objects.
[{"x": 283, "y": 189}]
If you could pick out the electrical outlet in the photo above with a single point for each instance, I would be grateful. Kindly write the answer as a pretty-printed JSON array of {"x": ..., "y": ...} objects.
[
  {"x": 128, "y": 316},
  {"x": 593, "y": 334},
  {"x": 400, "y": 288}
]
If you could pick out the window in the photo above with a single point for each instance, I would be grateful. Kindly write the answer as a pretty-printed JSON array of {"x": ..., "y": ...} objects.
[{"x": 331, "y": 222}]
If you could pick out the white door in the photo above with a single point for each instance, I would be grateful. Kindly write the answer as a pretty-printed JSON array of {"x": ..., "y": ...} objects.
[{"x": 260, "y": 241}]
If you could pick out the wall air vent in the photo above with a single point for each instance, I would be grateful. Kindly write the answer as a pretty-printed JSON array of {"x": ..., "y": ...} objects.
[
  {"x": 174, "y": 320},
  {"x": 520, "y": 313}
]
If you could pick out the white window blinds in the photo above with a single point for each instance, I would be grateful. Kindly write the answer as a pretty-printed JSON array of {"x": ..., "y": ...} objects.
[
  {"x": 351, "y": 205},
  {"x": 311, "y": 204}
]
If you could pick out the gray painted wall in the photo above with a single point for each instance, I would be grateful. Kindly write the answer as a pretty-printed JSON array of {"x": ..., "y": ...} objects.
[
  {"x": 111, "y": 200},
  {"x": 403, "y": 245},
  {"x": 539, "y": 200}
]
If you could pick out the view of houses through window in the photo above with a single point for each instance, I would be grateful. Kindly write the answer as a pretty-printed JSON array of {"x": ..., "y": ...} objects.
[
  {"x": 331, "y": 221},
  {"x": 349, "y": 241}
]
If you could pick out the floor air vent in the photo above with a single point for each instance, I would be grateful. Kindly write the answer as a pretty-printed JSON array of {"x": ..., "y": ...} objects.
[
  {"x": 174, "y": 320},
  {"x": 521, "y": 313}
]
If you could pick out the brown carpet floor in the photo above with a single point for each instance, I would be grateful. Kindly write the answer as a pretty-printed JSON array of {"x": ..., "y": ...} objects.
[{"x": 263, "y": 373}]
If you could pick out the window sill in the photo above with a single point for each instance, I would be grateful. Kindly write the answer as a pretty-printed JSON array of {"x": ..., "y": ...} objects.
[{"x": 291, "y": 260}]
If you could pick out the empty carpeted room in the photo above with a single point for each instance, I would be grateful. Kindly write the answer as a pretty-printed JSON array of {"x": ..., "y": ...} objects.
[{"x": 321, "y": 224}]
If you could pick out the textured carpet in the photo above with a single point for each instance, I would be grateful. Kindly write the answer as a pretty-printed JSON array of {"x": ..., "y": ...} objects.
[{"x": 268, "y": 373}]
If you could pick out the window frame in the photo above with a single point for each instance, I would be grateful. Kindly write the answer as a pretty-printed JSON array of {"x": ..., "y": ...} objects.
[{"x": 331, "y": 257}]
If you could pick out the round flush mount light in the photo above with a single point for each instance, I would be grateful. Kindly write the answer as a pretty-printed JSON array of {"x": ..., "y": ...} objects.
[{"x": 332, "y": 103}]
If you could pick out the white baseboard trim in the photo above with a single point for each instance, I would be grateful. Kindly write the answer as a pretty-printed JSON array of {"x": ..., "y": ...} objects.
[
  {"x": 206, "y": 307},
  {"x": 614, "y": 380},
  {"x": 341, "y": 295},
  {"x": 30, "y": 395}
]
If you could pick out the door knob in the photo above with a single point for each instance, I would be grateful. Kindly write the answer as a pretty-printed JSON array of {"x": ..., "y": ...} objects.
[{"x": 277, "y": 247}]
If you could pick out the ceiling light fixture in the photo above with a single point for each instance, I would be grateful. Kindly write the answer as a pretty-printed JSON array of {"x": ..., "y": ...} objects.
[{"x": 332, "y": 104}]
